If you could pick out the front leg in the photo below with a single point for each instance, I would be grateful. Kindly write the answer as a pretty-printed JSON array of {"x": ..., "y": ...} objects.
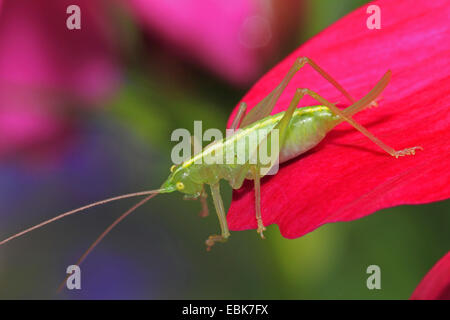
[
  {"x": 218, "y": 204},
  {"x": 205, "y": 212},
  {"x": 202, "y": 197}
]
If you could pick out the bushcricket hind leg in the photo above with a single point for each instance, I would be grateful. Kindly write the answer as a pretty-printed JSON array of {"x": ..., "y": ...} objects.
[
  {"x": 265, "y": 107},
  {"x": 239, "y": 115},
  {"x": 369, "y": 100},
  {"x": 257, "y": 183},
  {"x": 325, "y": 75},
  {"x": 218, "y": 204},
  {"x": 364, "y": 101}
]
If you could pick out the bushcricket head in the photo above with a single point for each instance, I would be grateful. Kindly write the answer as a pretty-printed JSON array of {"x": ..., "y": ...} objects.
[{"x": 180, "y": 180}]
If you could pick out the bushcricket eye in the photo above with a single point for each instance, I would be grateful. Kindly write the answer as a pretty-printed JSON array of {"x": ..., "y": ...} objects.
[{"x": 180, "y": 185}]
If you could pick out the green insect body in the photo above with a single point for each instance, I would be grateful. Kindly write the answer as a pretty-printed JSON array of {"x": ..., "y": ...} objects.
[
  {"x": 307, "y": 128},
  {"x": 299, "y": 131}
]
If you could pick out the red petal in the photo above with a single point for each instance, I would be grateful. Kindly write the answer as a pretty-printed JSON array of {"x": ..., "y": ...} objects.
[
  {"x": 347, "y": 176},
  {"x": 436, "y": 283}
]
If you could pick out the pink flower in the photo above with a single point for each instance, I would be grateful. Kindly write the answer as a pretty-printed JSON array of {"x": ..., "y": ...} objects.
[
  {"x": 436, "y": 284},
  {"x": 230, "y": 37},
  {"x": 48, "y": 71}
]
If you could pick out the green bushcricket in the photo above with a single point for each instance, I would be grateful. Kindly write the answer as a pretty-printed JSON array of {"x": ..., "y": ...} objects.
[{"x": 298, "y": 131}]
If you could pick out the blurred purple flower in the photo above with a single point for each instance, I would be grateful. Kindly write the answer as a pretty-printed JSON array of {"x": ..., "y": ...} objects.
[
  {"x": 113, "y": 275},
  {"x": 48, "y": 72},
  {"x": 231, "y": 37}
]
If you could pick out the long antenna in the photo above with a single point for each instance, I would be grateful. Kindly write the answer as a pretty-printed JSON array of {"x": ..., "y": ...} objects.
[
  {"x": 65, "y": 214},
  {"x": 104, "y": 233}
]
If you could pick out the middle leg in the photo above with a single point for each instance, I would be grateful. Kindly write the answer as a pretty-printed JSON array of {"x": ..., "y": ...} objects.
[{"x": 257, "y": 182}]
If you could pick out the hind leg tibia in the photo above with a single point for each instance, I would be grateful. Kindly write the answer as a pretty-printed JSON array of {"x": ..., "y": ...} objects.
[{"x": 360, "y": 128}]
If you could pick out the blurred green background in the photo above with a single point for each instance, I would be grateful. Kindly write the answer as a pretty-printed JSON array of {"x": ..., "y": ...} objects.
[{"x": 158, "y": 252}]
